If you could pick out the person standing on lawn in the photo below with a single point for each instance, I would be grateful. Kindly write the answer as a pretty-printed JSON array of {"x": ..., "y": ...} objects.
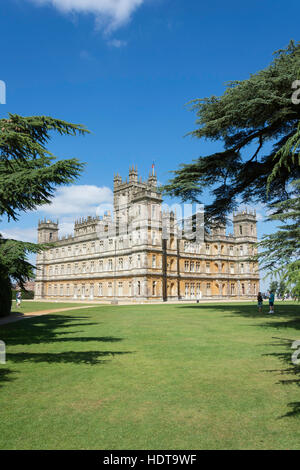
[
  {"x": 259, "y": 301},
  {"x": 18, "y": 299},
  {"x": 271, "y": 302}
]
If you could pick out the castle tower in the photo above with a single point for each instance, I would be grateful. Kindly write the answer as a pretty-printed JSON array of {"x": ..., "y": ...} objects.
[
  {"x": 133, "y": 175},
  {"x": 47, "y": 231},
  {"x": 244, "y": 223}
]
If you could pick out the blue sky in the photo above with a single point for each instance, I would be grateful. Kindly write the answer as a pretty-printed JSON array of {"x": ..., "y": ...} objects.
[{"x": 125, "y": 69}]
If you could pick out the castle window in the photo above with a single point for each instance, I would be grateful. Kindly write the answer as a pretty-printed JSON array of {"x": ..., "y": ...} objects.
[
  {"x": 243, "y": 289},
  {"x": 120, "y": 263},
  {"x": 231, "y": 250},
  {"x": 62, "y": 269},
  {"x": 242, "y": 268},
  {"x": 50, "y": 235},
  {"x": 251, "y": 228},
  {"x": 130, "y": 260},
  {"x": 110, "y": 241},
  {"x": 208, "y": 267},
  {"x": 139, "y": 287},
  {"x": 208, "y": 291},
  {"x": 198, "y": 289},
  {"x": 241, "y": 230},
  {"x": 198, "y": 266},
  {"x": 110, "y": 289},
  {"x": 56, "y": 270},
  {"x": 207, "y": 248},
  {"x": 100, "y": 289},
  {"x": 110, "y": 265},
  {"x": 153, "y": 261},
  {"x": 232, "y": 289},
  {"x": 101, "y": 265},
  {"x": 120, "y": 288},
  {"x": 231, "y": 268},
  {"x": 154, "y": 288},
  {"x": 254, "y": 288},
  {"x": 92, "y": 266},
  {"x": 139, "y": 261},
  {"x": 186, "y": 265},
  {"x": 83, "y": 267},
  {"x": 241, "y": 250},
  {"x": 192, "y": 290},
  {"x": 55, "y": 289},
  {"x": 187, "y": 288},
  {"x": 192, "y": 266},
  {"x": 68, "y": 289},
  {"x": 61, "y": 290},
  {"x": 101, "y": 243}
]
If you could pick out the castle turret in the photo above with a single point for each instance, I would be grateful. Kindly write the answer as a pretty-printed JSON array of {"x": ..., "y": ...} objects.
[
  {"x": 152, "y": 180},
  {"x": 47, "y": 231},
  {"x": 244, "y": 223},
  {"x": 133, "y": 175},
  {"x": 117, "y": 180}
]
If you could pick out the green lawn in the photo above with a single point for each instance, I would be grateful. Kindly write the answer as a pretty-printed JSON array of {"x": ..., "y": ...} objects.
[
  {"x": 29, "y": 306},
  {"x": 152, "y": 377}
]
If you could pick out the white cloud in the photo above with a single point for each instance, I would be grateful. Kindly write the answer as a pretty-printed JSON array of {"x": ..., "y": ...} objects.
[
  {"x": 117, "y": 43},
  {"x": 109, "y": 14},
  {"x": 22, "y": 234},
  {"x": 78, "y": 201}
]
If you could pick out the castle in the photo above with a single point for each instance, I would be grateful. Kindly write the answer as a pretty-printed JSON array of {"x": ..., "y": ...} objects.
[{"x": 127, "y": 257}]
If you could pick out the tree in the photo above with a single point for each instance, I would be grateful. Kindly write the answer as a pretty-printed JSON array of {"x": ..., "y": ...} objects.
[
  {"x": 280, "y": 251},
  {"x": 273, "y": 286},
  {"x": 281, "y": 288},
  {"x": 29, "y": 174},
  {"x": 258, "y": 111}
]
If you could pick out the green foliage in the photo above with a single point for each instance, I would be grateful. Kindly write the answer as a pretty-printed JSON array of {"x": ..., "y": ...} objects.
[
  {"x": 282, "y": 288},
  {"x": 257, "y": 111},
  {"x": 28, "y": 171},
  {"x": 29, "y": 175},
  {"x": 280, "y": 251},
  {"x": 26, "y": 294},
  {"x": 273, "y": 287}
]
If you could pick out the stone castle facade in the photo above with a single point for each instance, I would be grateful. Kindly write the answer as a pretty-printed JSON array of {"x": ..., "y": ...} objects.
[{"x": 132, "y": 260}]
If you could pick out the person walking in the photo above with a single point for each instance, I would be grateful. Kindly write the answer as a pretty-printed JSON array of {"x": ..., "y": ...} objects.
[
  {"x": 18, "y": 299},
  {"x": 271, "y": 302},
  {"x": 259, "y": 301}
]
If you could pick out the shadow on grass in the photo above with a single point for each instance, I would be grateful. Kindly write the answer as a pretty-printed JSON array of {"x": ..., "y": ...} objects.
[
  {"x": 286, "y": 316},
  {"x": 53, "y": 329},
  {"x": 75, "y": 357},
  {"x": 43, "y": 329},
  {"x": 5, "y": 375},
  {"x": 293, "y": 370}
]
